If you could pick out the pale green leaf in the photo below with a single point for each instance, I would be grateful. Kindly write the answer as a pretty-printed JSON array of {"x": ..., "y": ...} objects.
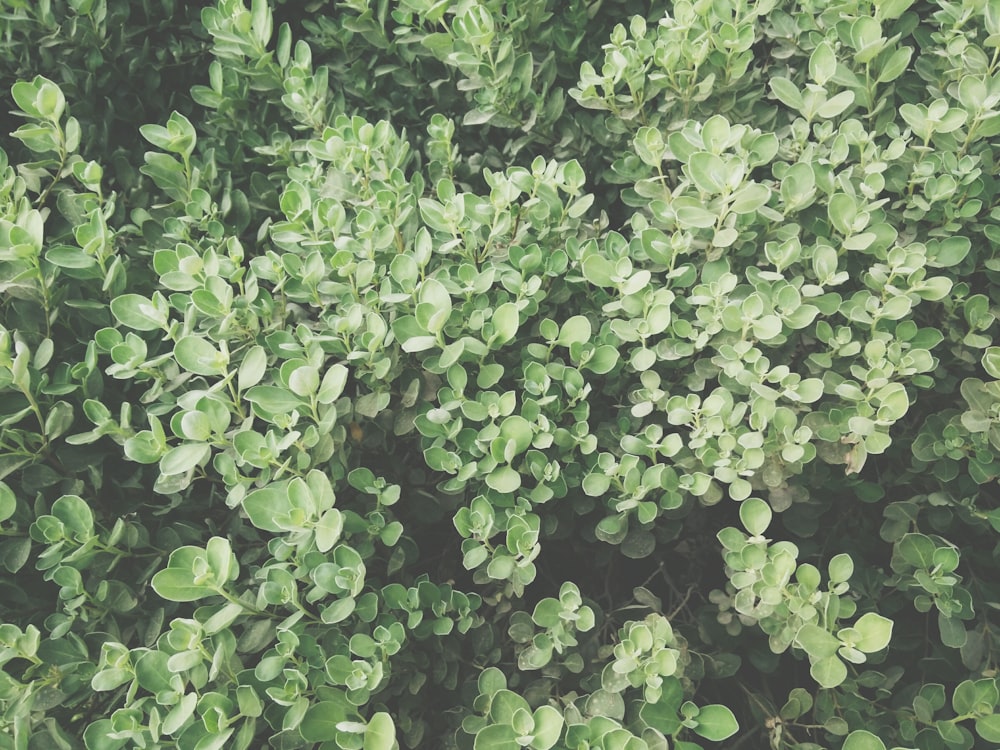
[
  {"x": 380, "y": 734},
  {"x": 861, "y": 739},
  {"x": 876, "y": 632},
  {"x": 716, "y": 723}
]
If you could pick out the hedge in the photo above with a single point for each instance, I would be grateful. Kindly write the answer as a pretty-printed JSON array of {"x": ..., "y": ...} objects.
[{"x": 499, "y": 374}]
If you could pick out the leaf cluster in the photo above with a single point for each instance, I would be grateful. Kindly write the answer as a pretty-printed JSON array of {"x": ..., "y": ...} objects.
[{"x": 499, "y": 374}]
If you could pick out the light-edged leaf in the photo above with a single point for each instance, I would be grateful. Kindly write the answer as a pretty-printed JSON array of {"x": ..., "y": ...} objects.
[
  {"x": 138, "y": 312},
  {"x": 252, "y": 368},
  {"x": 755, "y": 514},
  {"x": 548, "y": 727},
  {"x": 76, "y": 516},
  {"x": 264, "y": 505},
  {"x": 183, "y": 458},
  {"x": 716, "y": 723},
  {"x": 332, "y": 386},
  {"x": 829, "y": 671},
  {"x": 320, "y": 721},
  {"x": 504, "y": 479},
  {"x": 380, "y": 734},
  {"x": 861, "y": 739},
  {"x": 102, "y": 735},
  {"x": 875, "y": 630},
  {"x": 8, "y": 502},
  {"x": 816, "y": 641},
  {"x": 496, "y": 737},
  {"x": 835, "y": 105},
  {"x": 271, "y": 399},
  {"x": 576, "y": 330},
  {"x": 841, "y": 568},
  {"x": 988, "y": 727},
  {"x": 505, "y": 322},
  {"x": 200, "y": 356},
  {"x": 178, "y": 585},
  {"x": 787, "y": 93},
  {"x": 991, "y": 361},
  {"x": 708, "y": 171}
]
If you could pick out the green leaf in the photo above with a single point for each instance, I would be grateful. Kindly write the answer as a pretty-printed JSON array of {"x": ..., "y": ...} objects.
[
  {"x": 649, "y": 146},
  {"x": 576, "y": 330},
  {"x": 828, "y": 671},
  {"x": 264, "y": 505},
  {"x": 893, "y": 402},
  {"x": 505, "y": 322},
  {"x": 842, "y": 210},
  {"x": 889, "y": 9},
  {"x": 320, "y": 721},
  {"x": 822, "y": 63},
  {"x": 272, "y": 399},
  {"x": 496, "y": 737},
  {"x": 663, "y": 715},
  {"x": 841, "y": 568},
  {"x": 489, "y": 375},
  {"x": 835, "y": 105},
  {"x": 69, "y": 257},
  {"x": 861, "y": 739},
  {"x": 109, "y": 679},
  {"x": 339, "y": 611},
  {"x": 708, "y": 171},
  {"x": 876, "y": 632},
  {"x": 991, "y": 361},
  {"x": 988, "y": 727},
  {"x": 948, "y": 252},
  {"x": 816, "y": 641},
  {"x": 548, "y": 727},
  {"x": 411, "y": 335},
  {"x": 749, "y": 198},
  {"x": 183, "y": 458},
  {"x": 151, "y": 671},
  {"x": 787, "y": 93},
  {"x": 755, "y": 515},
  {"x": 328, "y": 529},
  {"x": 41, "y": 98},
  {"x": 491, "y": 680},
  {"x": 716, "y": 723},
  {"x": 598, "y": 270},
  {"x": 221, "y": 561},
  {"x": 965, "y": 697},
  {"x": 304, "y": 381},
  {"x": 433, "y": 214},
  {"x": 25, "y": 94},
  {"x": 199, "y": 356},
  {"x": 177, "y": 137},
  {"x": 177, "y": 582},
  {"x": 606, "y": 703},
  {"x": 380, "y": 734},
  {"x": 603, "y": 360},
  {"x": 98, "y": 736},
  {"x": 517, "y": 429},
  {"x": 8, "y": 502},
  {"x": 505, "y": 704},
  {"x": 917, "y": 550},
  {"x": 139, "y": 313},
  {"x": 252, "y": 368},
  {"x": 896, "y": 64},
  {"x": 504, "y": 479},
  {"x": 434, "y": 305},
  {"x": 76, "y": 515}
]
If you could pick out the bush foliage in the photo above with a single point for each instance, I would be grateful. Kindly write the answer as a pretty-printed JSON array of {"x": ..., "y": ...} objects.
[{"x": 498, "y": 374}]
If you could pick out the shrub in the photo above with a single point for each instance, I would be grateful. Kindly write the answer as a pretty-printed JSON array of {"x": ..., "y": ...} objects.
[{"x": 500, "y": 374}]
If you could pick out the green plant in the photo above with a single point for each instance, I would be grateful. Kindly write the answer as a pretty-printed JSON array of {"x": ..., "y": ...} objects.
[{"x": 497, "y": 374}]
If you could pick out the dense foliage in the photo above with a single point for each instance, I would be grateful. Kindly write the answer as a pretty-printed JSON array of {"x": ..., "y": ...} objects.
[{"x": 491, "y": 374}]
